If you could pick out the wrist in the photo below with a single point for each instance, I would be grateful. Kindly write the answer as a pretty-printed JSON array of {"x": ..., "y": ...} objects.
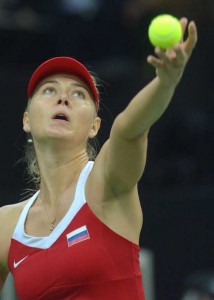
[{"x": 168, "y": 86}]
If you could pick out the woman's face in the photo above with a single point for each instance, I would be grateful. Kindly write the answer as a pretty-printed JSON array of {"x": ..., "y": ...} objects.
[{"x": 61, "y": 107}]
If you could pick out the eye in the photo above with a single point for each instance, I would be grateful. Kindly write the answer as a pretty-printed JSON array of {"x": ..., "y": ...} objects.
[
  {"x": 78, "y": 94},
  {"x": 49, "y": 91}
]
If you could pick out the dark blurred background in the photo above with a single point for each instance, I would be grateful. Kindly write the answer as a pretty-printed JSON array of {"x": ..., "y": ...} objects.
[{"x": 110, "y": 38}]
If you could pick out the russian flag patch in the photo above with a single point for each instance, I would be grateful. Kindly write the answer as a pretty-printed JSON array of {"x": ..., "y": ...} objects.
[{"x": 77, "y": 236}]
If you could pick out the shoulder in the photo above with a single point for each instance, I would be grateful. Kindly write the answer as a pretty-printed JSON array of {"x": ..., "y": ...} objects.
[{"x": 9, "y": 215}]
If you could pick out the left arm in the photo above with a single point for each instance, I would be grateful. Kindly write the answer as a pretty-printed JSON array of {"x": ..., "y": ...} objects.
[{"x": 125, "y": 152}]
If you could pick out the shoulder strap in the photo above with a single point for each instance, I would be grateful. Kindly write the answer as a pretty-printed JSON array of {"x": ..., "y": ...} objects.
[
  {"x": 21, "y": 221},
  {"x": 79, "y": 198}
]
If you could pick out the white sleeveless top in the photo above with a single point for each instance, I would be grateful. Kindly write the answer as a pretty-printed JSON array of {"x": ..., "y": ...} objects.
[{"x": 45, "y": 242}]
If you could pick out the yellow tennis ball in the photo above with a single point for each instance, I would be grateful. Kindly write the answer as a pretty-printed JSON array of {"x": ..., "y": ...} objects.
[{"x": 165, "y": 31}]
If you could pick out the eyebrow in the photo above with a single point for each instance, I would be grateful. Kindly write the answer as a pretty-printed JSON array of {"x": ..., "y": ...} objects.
[
  {"x": 76, "y": 84},
  {"x": 45, "y": 82},
  {"x": 81, "y": 86}
]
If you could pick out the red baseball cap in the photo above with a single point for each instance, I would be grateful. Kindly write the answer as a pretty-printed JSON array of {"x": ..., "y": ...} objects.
[{"x": 63, "y": 64}]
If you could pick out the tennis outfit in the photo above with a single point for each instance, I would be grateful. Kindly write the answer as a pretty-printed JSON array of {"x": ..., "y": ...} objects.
[{"x": 82, "y": 259}]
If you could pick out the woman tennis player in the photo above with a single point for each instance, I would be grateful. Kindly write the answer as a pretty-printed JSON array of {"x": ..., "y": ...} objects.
[{"x": 77, "y": 237}]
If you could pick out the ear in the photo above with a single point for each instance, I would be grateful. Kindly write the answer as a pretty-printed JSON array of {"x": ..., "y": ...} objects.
[
  {"x": 26, "y": 123},
  {"x": 95, "y": 127}
]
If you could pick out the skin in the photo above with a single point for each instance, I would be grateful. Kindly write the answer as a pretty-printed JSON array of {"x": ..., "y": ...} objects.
[{"x": 61, "y": 150}]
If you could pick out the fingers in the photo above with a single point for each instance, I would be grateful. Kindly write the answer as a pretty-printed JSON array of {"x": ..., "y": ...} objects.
[
  {"x": 180, "y": 56},
  {"x": 174, "y": 56},
  {"x": 165, "y": 56},
  {"x": 184, "y": 23},
  {"x": 192, "y": 38},
  {"x": 154, "y": 61}
]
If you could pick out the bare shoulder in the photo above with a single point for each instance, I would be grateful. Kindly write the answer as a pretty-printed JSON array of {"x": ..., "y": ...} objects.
[{"x": 9, "y": 215}]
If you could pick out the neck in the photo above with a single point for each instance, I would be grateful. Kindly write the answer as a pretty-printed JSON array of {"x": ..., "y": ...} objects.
[{"x": 59, "y": 171}]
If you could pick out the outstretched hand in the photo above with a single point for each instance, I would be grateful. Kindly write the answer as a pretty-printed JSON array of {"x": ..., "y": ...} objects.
[{"x": 170, "y": 64}]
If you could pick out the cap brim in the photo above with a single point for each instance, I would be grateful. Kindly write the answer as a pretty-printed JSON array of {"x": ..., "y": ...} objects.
[{"x": 62, "y": 64}]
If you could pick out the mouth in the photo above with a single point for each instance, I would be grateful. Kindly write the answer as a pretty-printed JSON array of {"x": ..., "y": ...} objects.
[{"x": 62, "y": 117}]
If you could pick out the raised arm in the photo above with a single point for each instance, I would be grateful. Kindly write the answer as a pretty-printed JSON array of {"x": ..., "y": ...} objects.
[{"x": 126, "y": 150}]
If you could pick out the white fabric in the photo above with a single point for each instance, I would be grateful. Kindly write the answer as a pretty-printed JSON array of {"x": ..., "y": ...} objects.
[{"x": 45, "y": 242}]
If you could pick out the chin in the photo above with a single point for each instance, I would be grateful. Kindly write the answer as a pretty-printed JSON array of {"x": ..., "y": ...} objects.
[{"x": 54, "y": 136}]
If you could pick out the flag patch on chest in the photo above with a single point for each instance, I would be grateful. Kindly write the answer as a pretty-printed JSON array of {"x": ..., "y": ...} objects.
[{"x": 77, "y": 236}]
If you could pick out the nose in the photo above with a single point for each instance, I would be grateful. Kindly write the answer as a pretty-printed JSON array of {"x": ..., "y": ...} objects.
[
  {"x": 63, "y": 100},
  {"x": 60, "y": 101}
]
